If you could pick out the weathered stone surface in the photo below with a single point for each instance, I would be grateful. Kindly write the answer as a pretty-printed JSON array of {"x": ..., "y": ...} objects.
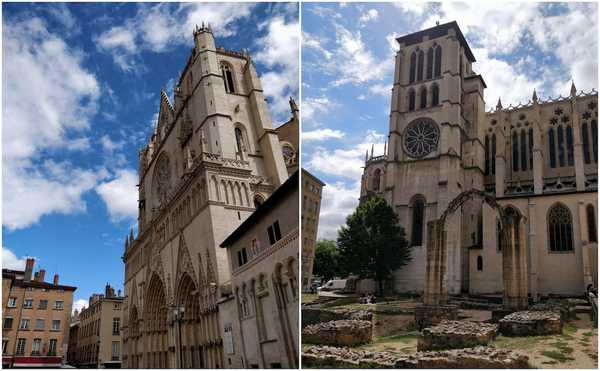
[
  {"x": 531, "y": 323},
  {"x": 344, "y": 332},
  {"x": 478, "y": 357},
  {"x": 456, "y": 335},
  {"x": 429, "y": 315},
  {"x": 311, "y": 316}
]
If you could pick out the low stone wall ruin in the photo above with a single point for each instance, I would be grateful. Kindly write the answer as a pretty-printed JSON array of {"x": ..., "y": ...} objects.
[
  {"x": 429, "y": 315},
  {"x": 341, "y": 333},
  {"x": 478, "y": 357},
  {"x": 456, "y": 335},
  {"x": 531, "y": 323},
  {"x": 311, "y": 316}
]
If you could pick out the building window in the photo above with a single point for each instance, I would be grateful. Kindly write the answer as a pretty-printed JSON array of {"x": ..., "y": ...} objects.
[
  {"x": 116, "y": 350},
  {"x": 430, "y": 63},
  {"x": 4, "y": 346},
  {"x": 59, "y": 304},
  {"x": 12, "y": 302},
  {"x": 595, "y": 139},
  {"x": 438, "y": 62},
  {"x": 418, "y": 212},
  {"x": 561, "y": 146},
  {"x": 515, "y": 151},
  {"x": 530, "y": 143},
  {"x": 413, "y": 66},
  {"x": 487, "y": 155},
  {"x": 242, "y": 256},
  {"x": 591, "y": 220},
  {"x": 39, "y": 324},
  {"x": 552, "y": 148},
  {"x": 435, "y": 95},
  {"x": 411, "y": 100},
  {"x": 35, "y": 347},
  {"x": 24, "y": 324},
  {"x": 498, "y": 236},
  {"x": 523, "y": 151},
  {"x": 420, "y": 60},
  {"x": 116, "y": 325},
  {"x": 479, "y": 263},
  {"x": 8, "y": 322},
  {"x": 423, "y": 96},
  {"x": 569, "y": 146},
  {"x": 55, "y": 324},
  {"x": 376, "y": 179},
  {"x": 560, "y": 229},
  {"x": 239, "y": 140},
  {"x": 52, "y": 347},
  {"x": 274, "y": 232},
  {"x": 227, "y": 78},
  {"x": 20, "y": 347},
  {"x": 43, "y": 304},
  {"x": 585, "y": 139},
  {"x": 28, "y": 303}
]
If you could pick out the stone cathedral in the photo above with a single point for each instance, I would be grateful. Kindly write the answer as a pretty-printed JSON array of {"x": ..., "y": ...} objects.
[
  {"x": 213, "y": 158},
  {"x": 538, "y": 158}
]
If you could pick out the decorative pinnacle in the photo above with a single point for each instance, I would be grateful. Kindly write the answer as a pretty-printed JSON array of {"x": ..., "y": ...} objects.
[
  {"x": 534, "y": 98},
  {"x": 573, "y": 89},
  {"x": 499, "y": 105}
]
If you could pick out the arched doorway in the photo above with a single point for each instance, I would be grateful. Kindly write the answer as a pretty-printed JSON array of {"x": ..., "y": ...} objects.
[
  {"x": 188, "y": 329},
  {"x": 135, "y": 353},
  {"x": 514, "y": 255},
  {"x": 155, "y": 323}
]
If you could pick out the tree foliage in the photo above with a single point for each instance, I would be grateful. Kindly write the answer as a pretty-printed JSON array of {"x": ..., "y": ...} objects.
[
  {"x": 326, "y": 263},
  {"x": 372, "y": 244}
]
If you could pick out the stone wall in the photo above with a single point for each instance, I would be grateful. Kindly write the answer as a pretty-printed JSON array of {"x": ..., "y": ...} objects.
[
  {"x": 428, "y": 315},
  {"x": 531, "y": 323},
  {"x": 479, "y": 357},
  {"x": 311, "y": 316},
  {"x": 456, "y": 335},
  {"x": 344, "y": 333}
]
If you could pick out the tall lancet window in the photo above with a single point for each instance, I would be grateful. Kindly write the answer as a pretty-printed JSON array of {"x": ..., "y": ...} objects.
[
  {"x": 411, "y": 100},
  {"x": 591, "y": 222},
  {"x": 524, "y": 151},
  {"x": 552, "y": 148},
  {"x": 570, "y": 159},
  {"x": 430, "y": 63},
  {"x": 493, "y": 154},
  {"x": 376, "y": 180},
  {"x": 420, "y": 61},
  {"x": 595, "y": 139},
  {"x": 438, "y": 62},
  {"x": 423, "y": 97},
  {"x": 515, "y": 151},
  {"x": 487, "y": 155},
  {"x": 560, "y": 229},
  {"x": 413, "y": 67},
  {"x": 239, "y": 139},
  {"x": 530, "y": 142},
  {"x": 435, "y": 95},
  {"x": 585, "y": 140},
  {"x": 418, "y": 215},
  {"x": 227, "y": 78}
]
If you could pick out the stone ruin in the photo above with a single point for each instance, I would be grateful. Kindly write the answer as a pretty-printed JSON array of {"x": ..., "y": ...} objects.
[
  {"x": 531, "y": 323},
  {"x": 429, "y": 315},
  {"x": 456, "y": 335},
  {"x": 478, "y": 357},
  {"x": 344, "y": 333},
  {"x": 311, "y": 316}
]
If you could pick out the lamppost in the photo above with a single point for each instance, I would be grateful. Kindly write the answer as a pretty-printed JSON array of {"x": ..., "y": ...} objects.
[{"x": 178, "y": 311}]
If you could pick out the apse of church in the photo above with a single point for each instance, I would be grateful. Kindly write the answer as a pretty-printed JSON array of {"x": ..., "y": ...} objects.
[
  {"x": 539, "y": 158},
  {"x": 214, "y": 156}
]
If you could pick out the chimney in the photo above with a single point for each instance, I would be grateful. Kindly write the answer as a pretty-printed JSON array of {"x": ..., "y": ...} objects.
[
  {"x": 56, "y": 280},
  {"x": 41, "y": 275},
  {"x": 28, "y": 269}
]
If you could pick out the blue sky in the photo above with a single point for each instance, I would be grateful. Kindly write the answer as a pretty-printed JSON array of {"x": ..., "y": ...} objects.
[
  {"x": 347, "y": 73},
  {"x": 81, "y": 87}
]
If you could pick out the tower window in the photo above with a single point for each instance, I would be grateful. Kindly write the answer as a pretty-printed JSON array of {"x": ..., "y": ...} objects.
[
  {"x": 591, "y": 221},
  {"x": 561, "y": 147},
  {"x": 493, "y": 154},
  {"x": 435, "y": 95},
  {"x": 420, "y": 60},
  {"x": 376, "y": 179},
  {"x": 524, "y": 151},
  {"x": 438, "y": 62},
  {"x": 585, "y": 139},
  {"x": 595, "y": 139},
  {"x": 413, "y": 67},
  {"x": 418, "y": 213},
  {"x": 479, "y": 263},
  {"x": 530, "y": 142},
  {"x": 239, "y": 139},
  {"x": 552, "y": 148},
  {"x": 515, "y": 151},
  {"x": 430, "y": 63},
  {"x": 411, "y": 100},
  {"x": 569, "y": 146},
  {"x": 487, "y": 155},
  {"x": 227, "y": 78},
  {"x": 423, "y": 97},
  {"x": 560, "y": 229}
]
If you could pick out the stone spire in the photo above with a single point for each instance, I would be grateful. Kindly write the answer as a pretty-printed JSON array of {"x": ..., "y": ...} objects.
[
  {"x": 293, "y": 105},
  {"x": 372, "y": 148},
  {"x": 131, "y": 237},
  {"x": 535, "y": 97},
  {"x": 573, "y": 89},
  {"x": 499, "y": 105},
  {"x": 366, "y": 156}
]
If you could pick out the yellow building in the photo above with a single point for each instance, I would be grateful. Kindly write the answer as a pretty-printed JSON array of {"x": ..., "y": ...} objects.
[
  {"x": 35, "y": 318},
  {"x": 311, "y": 206},
  {"x": 98, "y": 332}
]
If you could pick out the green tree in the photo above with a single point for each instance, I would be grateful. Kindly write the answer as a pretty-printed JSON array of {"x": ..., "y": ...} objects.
[
  {"x": 326, "y": 260},
  {"x": 372, "y": 244}
]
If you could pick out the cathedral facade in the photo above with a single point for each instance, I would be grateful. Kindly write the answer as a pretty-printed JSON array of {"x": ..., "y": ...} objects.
[
  {"x": 213, "y": 158},
  {"x": 539, "y": 158}
]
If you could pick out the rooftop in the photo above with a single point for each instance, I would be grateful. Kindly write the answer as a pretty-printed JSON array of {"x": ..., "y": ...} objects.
[{"x": 435, "y": 32}]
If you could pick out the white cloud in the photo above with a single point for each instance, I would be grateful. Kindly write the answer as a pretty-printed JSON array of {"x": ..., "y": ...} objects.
[
  {"x": 314, "y": 42},
  {"x": 79, "y": 304},
  {"x": 369, "y": 15},
  {"x": 11, "y": 261},
  {"x": 339, "y": 201},
  {"x": 120, "y": 195},
  {"x": 315, "y": 106},
  {"x": 48, "y": 109},
  {"x": 416, "y": 8},
  {"x": 322, "y": 134},
  {"x": 109, "y": 145}
]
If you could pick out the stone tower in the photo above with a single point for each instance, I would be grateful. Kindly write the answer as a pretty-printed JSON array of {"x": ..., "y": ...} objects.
[
  {"x": 435, "y": 149},
  {"x": 212, "y": 158}
]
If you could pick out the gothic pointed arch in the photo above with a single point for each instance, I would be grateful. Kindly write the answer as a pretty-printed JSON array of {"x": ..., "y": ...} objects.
[
  {"x": 184, "y": 261},
  {"x": 413, "y": 67},
  {"x": 429, "y": 73},
  {"x": 420, "y": 62},
  {"x": 591, "y": 223},
  {"x": 228, "y": 77},
  {"x": 435, "y": 95},
  {"x": 423, "y": 97},
  {"x": 438, "y": 62},
  {"x": 417, "y": 206},
  {"x": 412, "y": 99},
  {"x": 560, "y": 228},
  {"x": 376, "y": 180}
]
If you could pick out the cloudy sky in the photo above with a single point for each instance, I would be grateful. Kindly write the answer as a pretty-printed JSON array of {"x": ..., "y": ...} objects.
[
  {"x": 347, "y": 73},
  {"x": 81, "y": 87}
]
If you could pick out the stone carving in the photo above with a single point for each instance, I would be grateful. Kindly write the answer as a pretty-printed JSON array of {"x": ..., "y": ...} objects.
[
  {"x": 456, "y": 335},
  {"x": 421, "y": 137},
  {"x": 344, "y": 332}
]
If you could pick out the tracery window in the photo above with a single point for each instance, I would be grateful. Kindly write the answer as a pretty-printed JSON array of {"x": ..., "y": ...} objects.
[
  {"x": 524, "y": 151},
  {"x": 530, "y": 142},
  {"x": 569, "y": 146},
  {"x": 435, "y": 95},
  {"x": 430, "y": 63},
  {"x": 591, "y": 222},
  {"x": 552, "y": 148},
  {"x": 423, "y": 96},
  {"x": 595, "y": 139},
  {"x": 420, "y": 61},
  {"x": 560, "y": 229},
  {"x": 487, "y": 155},
  {"x": 561, "y": 147},
  {"x": 376, "y": 179},
  {"x": 239, "y": 139},
  {"x": 438, "y": 62},
  {"x": 585, "y": 140},
  {"x": 411, "y": 100},
  {"x": 515, "y": 151},
  {"x": 413, "y": 67},
  {"x": 418, "y": 214},
  {"x": 227, "y": 78}
]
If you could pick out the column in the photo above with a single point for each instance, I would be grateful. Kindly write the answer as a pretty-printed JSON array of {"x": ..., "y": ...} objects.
[
  {"x": 585, "y": 245},
  {"x": 533, "y": 251}
]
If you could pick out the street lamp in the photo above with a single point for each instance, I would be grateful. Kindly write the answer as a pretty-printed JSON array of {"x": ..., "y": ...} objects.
[{"x": 178, "y": 311}]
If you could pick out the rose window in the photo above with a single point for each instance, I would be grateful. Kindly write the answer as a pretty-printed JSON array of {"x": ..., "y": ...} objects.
[{"x": 421, "y": 138}]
